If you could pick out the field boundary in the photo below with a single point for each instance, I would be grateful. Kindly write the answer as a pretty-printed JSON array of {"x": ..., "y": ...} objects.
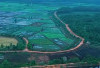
[{"x": 67, "y": 27}]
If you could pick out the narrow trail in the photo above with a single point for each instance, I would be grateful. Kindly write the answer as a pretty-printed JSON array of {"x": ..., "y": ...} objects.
[
  {"x": 26, "y": 48},
  {"x": 67, "y": 27}
]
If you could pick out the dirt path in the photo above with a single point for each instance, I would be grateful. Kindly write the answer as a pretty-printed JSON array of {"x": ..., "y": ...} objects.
[
  {"x": 67, "y": 27},
  {"x": 26, "y": 48},
  {"x": 80, "y": 44}
]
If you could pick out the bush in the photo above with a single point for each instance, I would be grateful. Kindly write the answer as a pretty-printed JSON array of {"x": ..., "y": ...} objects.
[{"x": 73, "y": 60}]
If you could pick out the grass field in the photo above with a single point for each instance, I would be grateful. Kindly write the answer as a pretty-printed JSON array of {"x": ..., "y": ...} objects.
[{"x": 6, "y": 41}]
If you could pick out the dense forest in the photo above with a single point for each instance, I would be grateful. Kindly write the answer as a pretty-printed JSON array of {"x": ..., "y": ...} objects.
[
  {"x": 89, "y": 59},
  {"x": 84, "y": 21}
]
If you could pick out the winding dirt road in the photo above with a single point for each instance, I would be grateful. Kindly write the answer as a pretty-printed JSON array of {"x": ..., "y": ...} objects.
[
  {"x": 82, "y": 39},
  {"x": 67, "y": 27}
]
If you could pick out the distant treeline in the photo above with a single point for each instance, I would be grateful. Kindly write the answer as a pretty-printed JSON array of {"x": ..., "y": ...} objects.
[
  {"x": 79, "y": 9},
  {"x": 40, "y": 1},
  {"x": 84, "y": 24}
]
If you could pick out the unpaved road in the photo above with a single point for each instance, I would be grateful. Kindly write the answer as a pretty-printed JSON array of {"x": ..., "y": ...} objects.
[{"x": 67, "y": 27}]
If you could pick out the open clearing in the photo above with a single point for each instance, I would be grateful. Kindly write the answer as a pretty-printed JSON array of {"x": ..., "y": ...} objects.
[{"x": 6, "y": 41}]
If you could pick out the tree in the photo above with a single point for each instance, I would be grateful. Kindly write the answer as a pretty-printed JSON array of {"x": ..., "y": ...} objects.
[
  {"x": 74, "y": 60},
  {"x": 32, "y": 63},
  {"x": 2, "y": 46},
  {"x": 56, "y": 61},
  {"x": 6, "y": 64},
  {"x": 91, "y": 60}
]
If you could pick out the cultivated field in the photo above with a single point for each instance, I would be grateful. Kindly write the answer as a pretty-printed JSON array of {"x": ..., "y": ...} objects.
[
  {"x": 6, "y": 41},
  {"x": 35, "y": 23}
]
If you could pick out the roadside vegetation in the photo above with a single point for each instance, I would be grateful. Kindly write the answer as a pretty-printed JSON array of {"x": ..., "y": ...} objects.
[
  {"x": 88, "y": 60},
  {"x": 84, "y": 21}
]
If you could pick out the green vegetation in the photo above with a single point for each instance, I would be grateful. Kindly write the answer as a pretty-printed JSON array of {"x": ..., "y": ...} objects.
[
  {"x": 46, "y": 33},
  {"x": 14, "y": 43},
  {"x": 34, "y": 23},
  {"x": 76, "y": 61},
  {"x": 84, "y": 21},
  {"x": 6, "y": 64},
  {"x": 88, "y": 59},
  {"x": 56, "y": 61},
  {"x": 73, "y": 60},
  {"x": 91, "y": 60},
  {"x": 6, "y": 41},
  {"x": 53, "y": 35},
  {"x": 42, "y": 42}
]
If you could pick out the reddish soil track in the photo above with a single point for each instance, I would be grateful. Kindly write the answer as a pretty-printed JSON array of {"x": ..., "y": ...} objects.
[
  {"x": 82, "y": 39},
  {"x": 67, "y": 27}
]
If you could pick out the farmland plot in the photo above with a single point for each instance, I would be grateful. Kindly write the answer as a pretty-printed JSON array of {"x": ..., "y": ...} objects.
[{"x": 34, "y": 23}]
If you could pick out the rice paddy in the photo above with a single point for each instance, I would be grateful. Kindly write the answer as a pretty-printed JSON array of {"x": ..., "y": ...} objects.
[{"x": 34, "y": 23}]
